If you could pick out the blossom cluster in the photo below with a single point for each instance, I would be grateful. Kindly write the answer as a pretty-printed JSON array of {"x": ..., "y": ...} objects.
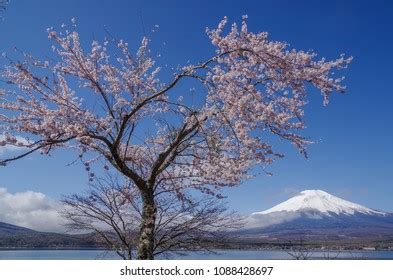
[{"x": 253, "y": 88}]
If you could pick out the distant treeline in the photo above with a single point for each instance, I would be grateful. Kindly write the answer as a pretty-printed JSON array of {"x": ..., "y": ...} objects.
[
  {"x": 47, "y": 240},
  {"x": 40, "y": 240}
]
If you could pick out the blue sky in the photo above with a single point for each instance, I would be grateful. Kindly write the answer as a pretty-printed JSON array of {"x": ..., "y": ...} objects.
[{"x": 354, "y": 154}]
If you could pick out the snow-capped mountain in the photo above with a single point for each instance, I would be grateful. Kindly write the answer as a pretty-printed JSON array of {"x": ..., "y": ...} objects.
[
  {"x": 322, "y": 202},
  {"x": 316, "y": 212}
]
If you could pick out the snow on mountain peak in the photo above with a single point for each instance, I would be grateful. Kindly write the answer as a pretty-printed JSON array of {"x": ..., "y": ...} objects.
[{"x": 320, "y": 201}]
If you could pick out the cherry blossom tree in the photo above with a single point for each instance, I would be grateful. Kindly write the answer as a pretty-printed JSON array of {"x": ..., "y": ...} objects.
[
  {"x": 112, "y": 210},
  {"x": 112, "y": 108}
]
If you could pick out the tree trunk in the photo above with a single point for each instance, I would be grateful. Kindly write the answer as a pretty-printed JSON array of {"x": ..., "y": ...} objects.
[{"x": 147, "y": 227}]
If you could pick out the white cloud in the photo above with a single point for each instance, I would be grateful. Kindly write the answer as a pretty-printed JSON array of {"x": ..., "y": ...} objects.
[
  {"x": 30, "y": 209},
  {"x": 265, "y": 220}
]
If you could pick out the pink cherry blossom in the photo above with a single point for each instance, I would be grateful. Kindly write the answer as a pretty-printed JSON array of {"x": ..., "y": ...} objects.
[{"x": 252, "y": 88}]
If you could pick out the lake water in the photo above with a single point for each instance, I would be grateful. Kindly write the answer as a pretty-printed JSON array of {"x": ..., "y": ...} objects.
[{"x": 218, "y": 255}]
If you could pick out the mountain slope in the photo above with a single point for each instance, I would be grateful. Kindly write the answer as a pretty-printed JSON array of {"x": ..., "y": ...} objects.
[
  {"x": 12, "y": 236},
  {"x": 315, "y": 213},
  {"x": 12, "y": 229},
  {"x": 320, "y": 201}
]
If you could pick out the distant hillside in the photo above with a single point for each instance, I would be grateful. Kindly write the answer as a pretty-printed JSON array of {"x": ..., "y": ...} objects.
[
  {"x": 12, "y": 236},
  {"x": 11, "y": 229}
]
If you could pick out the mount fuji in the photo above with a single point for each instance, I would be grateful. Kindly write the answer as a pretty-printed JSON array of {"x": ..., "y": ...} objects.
[
  {"x": 318, "y": 214},
  {"x": 322, "y": 202}
]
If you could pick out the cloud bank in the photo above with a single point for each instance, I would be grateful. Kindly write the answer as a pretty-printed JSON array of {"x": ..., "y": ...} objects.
[
  {"x": 264, "y": 220},
  {"x": 30, "y": 209}
]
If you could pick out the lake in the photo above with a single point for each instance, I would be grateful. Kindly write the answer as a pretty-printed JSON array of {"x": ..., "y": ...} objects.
[{"x": 218, "y": 255}]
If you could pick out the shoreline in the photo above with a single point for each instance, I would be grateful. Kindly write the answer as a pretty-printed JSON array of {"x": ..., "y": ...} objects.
[{"x": 216, "y": 249}]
